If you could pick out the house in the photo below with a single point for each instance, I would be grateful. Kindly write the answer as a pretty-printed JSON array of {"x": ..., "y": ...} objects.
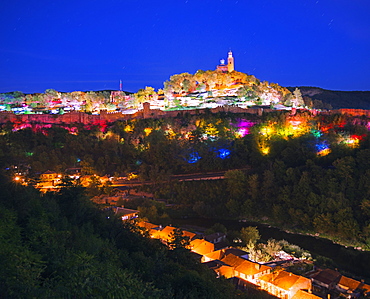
[
  {"x": 220, "y": 254},
  {"x": 152, "y": 229},
  {"x": 225, "y": 271},
  {"x": 155, "y": 233},
  {"x": 365, "y": 289},
  {"x": 212, "y": 256},
  {"x": 215, "y": 238},
  {"x": 244, "y": 268},
  {"x": 50, "y": 176},
  {"x": 125, "y": 214},
  {"x": 73, "y": 173},
  {"x": 147, "y": 225},
  {"x": 250, "y": 271},
  {"x": 49, "y": 180},
  {"x": 233, "y": 260},
  {"x": 348, "y": 286},
  {"x": 166, "y": 233},
  {"x": 230, "y": 263},
  {"x": 220, "y": 268},
  {"x": 283, "y": 284},
  {"x": 201, "y": 246},
  {"x": 352, "y": 288},
  {"x": 325, "y": 278},
  {"x": 301, "y": 294}
]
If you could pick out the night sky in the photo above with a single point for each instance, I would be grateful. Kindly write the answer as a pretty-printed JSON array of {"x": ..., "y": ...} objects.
[{"x": 91, "y": 45}]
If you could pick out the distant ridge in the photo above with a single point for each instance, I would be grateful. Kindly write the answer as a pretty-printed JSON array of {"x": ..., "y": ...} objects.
[{"x": 338, "y": 99}]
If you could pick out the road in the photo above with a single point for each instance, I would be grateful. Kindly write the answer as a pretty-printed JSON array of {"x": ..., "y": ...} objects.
[{"x": 179, "y": 177}]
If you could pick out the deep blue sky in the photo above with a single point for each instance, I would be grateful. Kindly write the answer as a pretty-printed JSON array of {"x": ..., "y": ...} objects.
[{"x": 91, "y": 45}]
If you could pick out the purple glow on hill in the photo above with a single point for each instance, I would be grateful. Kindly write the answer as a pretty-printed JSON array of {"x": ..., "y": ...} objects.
[{"x": 244, "y": 126}]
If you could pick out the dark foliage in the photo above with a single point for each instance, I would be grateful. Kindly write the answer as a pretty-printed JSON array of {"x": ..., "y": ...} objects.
[
  {"x": 335, "y": 98},
  {"x": 62, "y": 246}
]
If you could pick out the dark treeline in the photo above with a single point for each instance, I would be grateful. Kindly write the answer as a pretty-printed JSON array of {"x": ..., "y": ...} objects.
[
  {"x": 62, "y": 246},
  {"x": 330, "y": 198}
]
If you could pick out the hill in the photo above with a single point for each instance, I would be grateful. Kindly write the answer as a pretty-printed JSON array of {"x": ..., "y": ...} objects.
[
  {"x": 63, "y": 246},
  {"x": 337, "y": 99}
]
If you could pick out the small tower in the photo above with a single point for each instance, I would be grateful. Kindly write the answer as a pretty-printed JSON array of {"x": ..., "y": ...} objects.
[{"x": 230, "y": 62}]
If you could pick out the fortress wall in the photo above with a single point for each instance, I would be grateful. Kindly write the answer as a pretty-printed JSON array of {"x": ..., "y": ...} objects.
[
  {"x": 109, "y": 117},
  {"x": 355, "y": 112}
]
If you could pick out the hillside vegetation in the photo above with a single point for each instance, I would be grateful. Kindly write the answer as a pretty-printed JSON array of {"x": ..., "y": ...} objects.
[
  {"x": 336, "y": 98},
  {"x": 62, "y": 246}
]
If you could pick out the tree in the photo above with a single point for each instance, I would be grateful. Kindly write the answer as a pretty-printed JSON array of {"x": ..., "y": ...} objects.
[
  {"x": 272, "y": 247},
  {"x": 178, "y": 240},
  {"x": 288, "y": 100},
  {"x": 297, "y": 98},
  {"x": 93, "y": 187},
  {"x": 249, "y": 235},
  {"x": 20, "y": 268},
  {"x": 145, "y": 95},
  {"x": 235, "y": 183},
  {"x": 216, "y": 228}
]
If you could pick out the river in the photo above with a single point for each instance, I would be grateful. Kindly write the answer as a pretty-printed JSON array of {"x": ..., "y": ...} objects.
[{"x": 346, "y": 258}]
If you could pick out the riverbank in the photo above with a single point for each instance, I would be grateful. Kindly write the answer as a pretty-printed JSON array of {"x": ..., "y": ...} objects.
[
  {"x": 345, "y": 243},
  {"x": 326, "y": 252}
]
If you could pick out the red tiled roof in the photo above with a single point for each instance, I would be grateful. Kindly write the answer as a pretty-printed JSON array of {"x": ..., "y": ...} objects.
[
  {"x": 226, "y": 271},
  {"x": 365, "y": 288},
  {"x": 348, "y": 283},
  {"x": 304, "y": 295},
  {"x": 326, "y": 276},
  {"x": 165, "y": 233},
  {"x": 201, "y": 246},
  {"x": 284, "y": 280},
  {"x": 232, "y": 260},
  {"x": 216, "y": 255},
  {"x": 251, "y": 268},
  {"x": 147, "y": 225}
]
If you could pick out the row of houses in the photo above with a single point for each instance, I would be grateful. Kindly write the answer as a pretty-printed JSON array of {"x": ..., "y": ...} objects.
[
  {"x": 233, "y": 264},
  {"x": 334, "y": 283}
]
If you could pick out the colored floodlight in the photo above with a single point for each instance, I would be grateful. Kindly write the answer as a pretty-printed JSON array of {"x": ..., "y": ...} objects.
[
  {"x": 193, "y": 157},
  {"x": 223, "y": 153}
]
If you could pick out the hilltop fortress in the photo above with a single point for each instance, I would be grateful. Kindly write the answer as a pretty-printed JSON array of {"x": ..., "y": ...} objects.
[{"x": 220, "y": 90}]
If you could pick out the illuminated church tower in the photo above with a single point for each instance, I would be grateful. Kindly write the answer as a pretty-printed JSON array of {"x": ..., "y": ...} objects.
[
  {"x": 230, "y": 62},
  {"x": 229, "y": 67}
]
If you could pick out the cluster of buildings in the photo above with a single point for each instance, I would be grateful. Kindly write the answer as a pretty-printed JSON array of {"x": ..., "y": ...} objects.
[
  {"x": 51, "y": 180},
  {"x": 233, "y": 264}
]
